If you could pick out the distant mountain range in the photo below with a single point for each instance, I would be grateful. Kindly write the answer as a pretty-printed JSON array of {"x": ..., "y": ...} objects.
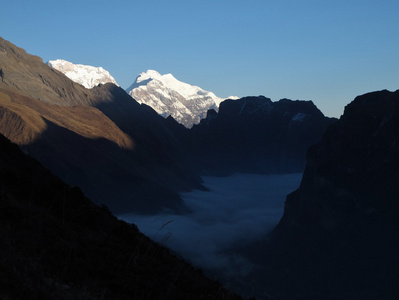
[{"x": 186, "y": 103}]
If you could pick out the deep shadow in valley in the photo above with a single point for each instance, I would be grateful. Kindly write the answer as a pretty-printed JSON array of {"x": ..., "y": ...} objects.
[{"x": 106, "y": 172}]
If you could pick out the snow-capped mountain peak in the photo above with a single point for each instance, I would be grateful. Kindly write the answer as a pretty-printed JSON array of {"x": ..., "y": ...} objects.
[
  {"x": 186, "y": 103},
  {"x": 150, "y": 74},
  {"x": 85, "y": 75},
  {"x": 144, "y": 78}
]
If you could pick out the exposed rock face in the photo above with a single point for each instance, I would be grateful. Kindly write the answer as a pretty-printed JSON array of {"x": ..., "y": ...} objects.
[
  {"x": 168, "y": 96},
  {"x": 338, "y": 238},
  {"x": 87, "y": 76},
  {"x": 254, "y": 134},
  {"x": 56, "y": 244},
  {"x": 99, "y": 139}
]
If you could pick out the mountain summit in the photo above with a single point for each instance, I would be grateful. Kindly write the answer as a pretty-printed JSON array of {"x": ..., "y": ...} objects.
[
  {"x": 87, "y": 76},
  {"x": 168, "y": 96}
]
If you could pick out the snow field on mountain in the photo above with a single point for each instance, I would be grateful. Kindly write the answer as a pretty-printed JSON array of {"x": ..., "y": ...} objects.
[
  {"x": 168, "y": 96},
  {"x": 87, "y": 76},
  {"x": 186, "y": 103}
]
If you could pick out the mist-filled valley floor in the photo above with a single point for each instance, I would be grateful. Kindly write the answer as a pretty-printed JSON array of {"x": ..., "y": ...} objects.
[{"x": 237, "y": 210}]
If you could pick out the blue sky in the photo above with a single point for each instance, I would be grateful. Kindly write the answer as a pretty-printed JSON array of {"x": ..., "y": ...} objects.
[{"x": 325, "y": 51}]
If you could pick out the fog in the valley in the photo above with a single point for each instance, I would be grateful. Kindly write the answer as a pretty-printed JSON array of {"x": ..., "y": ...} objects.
[{"x": 236, "y": 210}]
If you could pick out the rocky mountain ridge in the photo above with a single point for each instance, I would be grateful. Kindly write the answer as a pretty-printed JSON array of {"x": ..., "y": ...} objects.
[
  {"x": 257, "y": 135},
  {"x": 27, "y": 75}
]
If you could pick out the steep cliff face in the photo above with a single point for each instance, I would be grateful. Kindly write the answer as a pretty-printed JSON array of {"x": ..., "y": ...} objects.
[
  {"x": 353, "y": 171},
  {"x": 254, "y": 134},
  {"x": 338, "y": 238}
]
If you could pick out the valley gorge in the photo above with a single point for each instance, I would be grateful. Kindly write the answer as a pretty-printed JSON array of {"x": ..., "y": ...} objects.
[{"x": 337, "y": 239}]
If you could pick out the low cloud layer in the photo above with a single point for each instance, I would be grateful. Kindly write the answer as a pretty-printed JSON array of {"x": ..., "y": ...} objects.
[{"x": 238, "y": 209}]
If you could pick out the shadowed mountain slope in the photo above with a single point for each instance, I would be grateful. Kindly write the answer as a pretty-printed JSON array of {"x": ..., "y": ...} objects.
[
  {"x": 339, "y": 235},
  {"x": 164, "y": 151},
  {"x": 56, "y": 244},
  {"x": 99, "y": 139}
]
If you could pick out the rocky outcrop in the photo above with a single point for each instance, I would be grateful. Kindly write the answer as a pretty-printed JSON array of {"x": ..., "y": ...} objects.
[
  {"x": 352, "y": 173},
  {"x": 338, "y": 238},
  {"x": 256, "y": 135}
]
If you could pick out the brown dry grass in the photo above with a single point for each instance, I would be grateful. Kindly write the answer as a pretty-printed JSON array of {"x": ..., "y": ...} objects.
[{"x": 27, "y": 117}]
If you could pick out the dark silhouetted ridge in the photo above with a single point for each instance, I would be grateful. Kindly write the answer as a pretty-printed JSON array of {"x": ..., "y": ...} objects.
[
  {"x": 56, "y": 244},
  {"x": 256, "y": 135}
]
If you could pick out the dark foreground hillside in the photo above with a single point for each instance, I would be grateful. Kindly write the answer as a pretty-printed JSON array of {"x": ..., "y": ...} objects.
[{"x": 56, "y": 244}]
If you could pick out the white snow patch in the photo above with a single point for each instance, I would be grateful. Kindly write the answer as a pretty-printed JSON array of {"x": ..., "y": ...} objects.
[
  {"x": 299, "y": 117},
  {"x": 85, "y": 75}
]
